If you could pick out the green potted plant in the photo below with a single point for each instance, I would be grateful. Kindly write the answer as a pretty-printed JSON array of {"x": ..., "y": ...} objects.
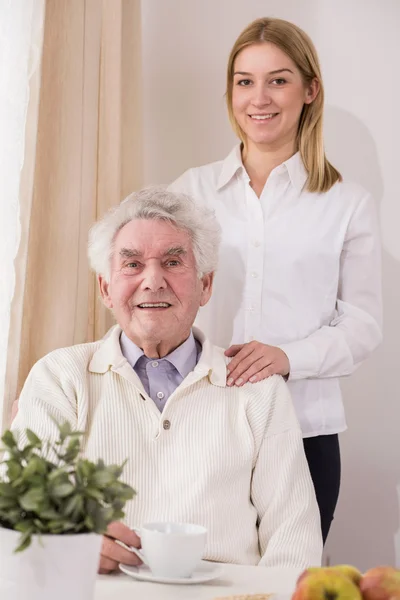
[{"x": 54, "y": 507}]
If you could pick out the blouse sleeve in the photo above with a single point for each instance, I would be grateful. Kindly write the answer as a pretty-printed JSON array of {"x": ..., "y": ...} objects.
[{"x": 338, "y": 349}]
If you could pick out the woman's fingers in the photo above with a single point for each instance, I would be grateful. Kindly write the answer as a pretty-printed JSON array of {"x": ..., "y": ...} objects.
[
  {"x": 255, "y": 372},
  {"x": 244, "y": 359},
  {"x": 252, "y": 360},
  {"x": 233, "y": 350},
  {"x": 263, "y": 374}
]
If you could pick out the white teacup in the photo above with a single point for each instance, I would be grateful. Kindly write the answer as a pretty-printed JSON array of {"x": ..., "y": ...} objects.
[{"x": 171, "y": 550}]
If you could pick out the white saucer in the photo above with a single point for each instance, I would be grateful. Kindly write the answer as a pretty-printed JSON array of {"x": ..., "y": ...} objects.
[{"x": 206, "y": 571}]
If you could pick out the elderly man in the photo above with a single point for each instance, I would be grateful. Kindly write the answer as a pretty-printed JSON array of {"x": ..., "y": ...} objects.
[{"x": 154, "y": 392}]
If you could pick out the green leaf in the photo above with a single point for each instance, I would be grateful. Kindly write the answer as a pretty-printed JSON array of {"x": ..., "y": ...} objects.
[
  {"x": 72, "y": 450},
  {"x": 27, "y": 452},
  {"x": 94, "y": 493},
  {"x": 14, "y": 469},
  {"x": 12, "y": 516},
  {"x": 7, "y": 490},
  {"x": 17, "y": 482},
  {"x": 24, "y": 526},
  {"x": 85, "y": 468},
  {"x": 7, "y": 502},
  {"x": 33, "y": 438},
  {"x": 39, "y": 525},
  {"x": 55, "y": 527},
  {"x": 32, "y": 499},
  {"x": 68, "y": 526},
  {"x": 107, "y": 513},
  {"x": 89, "y": 523},
  {"x": 48, "y": 514},
  {"x": 62, "y": 490},
  {"x": 74, "y": 506},
  {"x": 65, "y": 430},
  {"x": 9, "y": 440},
  {"x": 35, "y": 464},
  {"x": 102, "y": 478},
  {"x": 24, "y": 542},
  {"x": 59, "y": 472}
]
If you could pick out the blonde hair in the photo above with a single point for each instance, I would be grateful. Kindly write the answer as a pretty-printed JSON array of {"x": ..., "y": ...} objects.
[{"x": 296, "y": 44}]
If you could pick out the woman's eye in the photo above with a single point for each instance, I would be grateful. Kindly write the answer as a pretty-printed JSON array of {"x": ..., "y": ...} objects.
[
  {"x": 279, "y": 81},
  {"x": 244, "y": 82}
]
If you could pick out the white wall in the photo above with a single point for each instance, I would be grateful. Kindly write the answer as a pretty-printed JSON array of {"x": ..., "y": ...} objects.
[{"x": 186, "y": 45}]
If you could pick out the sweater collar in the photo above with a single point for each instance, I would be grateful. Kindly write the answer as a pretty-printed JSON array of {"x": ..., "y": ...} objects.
[
  {"x": 212, "y": 363},
  {"x": 183, "y": 358}
]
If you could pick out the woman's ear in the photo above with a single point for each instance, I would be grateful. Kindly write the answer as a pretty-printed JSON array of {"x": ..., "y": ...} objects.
[{"x": 312, "y": 91}]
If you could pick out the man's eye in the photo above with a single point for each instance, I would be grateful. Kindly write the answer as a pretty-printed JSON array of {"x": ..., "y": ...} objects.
[
  {"x": 244, "y": 82},
  {"x": 173, "y": 263},
  {"x": 132, "y": 265}
]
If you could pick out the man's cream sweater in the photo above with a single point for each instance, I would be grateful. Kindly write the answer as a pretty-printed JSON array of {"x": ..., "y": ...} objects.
[{"x": 230, "y": 459}]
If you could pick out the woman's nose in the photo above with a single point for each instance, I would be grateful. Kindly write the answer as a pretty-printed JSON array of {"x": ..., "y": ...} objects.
[{"x": 261, "y": 96}]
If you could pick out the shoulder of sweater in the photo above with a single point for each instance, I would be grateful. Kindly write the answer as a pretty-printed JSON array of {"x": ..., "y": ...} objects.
[
  {"x": 69, "y": 359},
  {"x": 269, "y": 402},
  {"x": 267, "y": 389}
]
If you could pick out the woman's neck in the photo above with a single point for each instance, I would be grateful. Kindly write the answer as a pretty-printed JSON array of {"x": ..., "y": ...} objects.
[{"x": 259, "y": 162}]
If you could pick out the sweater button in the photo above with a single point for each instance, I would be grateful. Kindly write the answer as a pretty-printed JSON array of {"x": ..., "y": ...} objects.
[{"x": 166, "y": 424}]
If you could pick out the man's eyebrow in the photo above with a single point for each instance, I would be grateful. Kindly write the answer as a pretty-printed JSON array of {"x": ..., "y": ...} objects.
[
  {"x": 175, "y": 251},
  {"x": 270, "y": 73},
  {"x": 129, "y": 253},
  {"x": 133, "y": 253}
]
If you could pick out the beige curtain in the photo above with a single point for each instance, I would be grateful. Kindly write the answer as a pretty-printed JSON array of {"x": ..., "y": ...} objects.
[{"x": 83, "y": 155}]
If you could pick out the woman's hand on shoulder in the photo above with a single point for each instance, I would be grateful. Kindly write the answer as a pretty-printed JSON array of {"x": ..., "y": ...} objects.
[{"x": 255, "y": 361}]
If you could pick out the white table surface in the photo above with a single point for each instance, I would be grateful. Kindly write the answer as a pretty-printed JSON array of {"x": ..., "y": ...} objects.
[{"x": 236, "y": 579}]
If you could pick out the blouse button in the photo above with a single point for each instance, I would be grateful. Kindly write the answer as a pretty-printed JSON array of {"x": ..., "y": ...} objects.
[{"x": 160, "y": 395}]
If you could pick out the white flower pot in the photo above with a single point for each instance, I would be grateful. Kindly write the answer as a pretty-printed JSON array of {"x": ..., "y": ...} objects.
[{"x": 57, "y": 567}]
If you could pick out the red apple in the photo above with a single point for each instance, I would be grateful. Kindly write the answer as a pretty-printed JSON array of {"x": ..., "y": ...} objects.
[{"x": 381, "y": 583}]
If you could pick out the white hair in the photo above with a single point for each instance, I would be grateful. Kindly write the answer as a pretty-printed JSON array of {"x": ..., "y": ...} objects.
[{"x": 157, "y": 203}]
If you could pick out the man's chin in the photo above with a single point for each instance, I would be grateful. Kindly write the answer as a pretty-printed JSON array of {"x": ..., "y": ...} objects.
[{"x": 150, "y": 331}]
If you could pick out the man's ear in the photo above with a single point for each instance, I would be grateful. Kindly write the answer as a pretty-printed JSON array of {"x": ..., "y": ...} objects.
[
  {"x": 104, "y": 291},
  {"x": 207, "y": 282}
]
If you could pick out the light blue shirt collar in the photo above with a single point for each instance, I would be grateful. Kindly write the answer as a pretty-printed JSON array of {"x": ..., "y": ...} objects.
[{"x": 184, "y": 358}]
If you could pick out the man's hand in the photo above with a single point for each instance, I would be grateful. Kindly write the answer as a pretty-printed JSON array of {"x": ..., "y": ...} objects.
[
  {"x": 255, "y": 361},
  {"x": 112, "y": 553}
]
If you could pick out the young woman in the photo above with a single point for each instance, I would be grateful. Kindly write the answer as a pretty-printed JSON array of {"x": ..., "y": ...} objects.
[{"x": 297, "y": 290}]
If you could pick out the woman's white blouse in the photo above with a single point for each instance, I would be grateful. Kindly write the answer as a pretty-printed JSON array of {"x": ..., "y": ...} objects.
[{"x": 297, "y": 270}]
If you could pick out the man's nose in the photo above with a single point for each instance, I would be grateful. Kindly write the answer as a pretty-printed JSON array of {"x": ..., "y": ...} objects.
[{"x": 153, "y": 279}]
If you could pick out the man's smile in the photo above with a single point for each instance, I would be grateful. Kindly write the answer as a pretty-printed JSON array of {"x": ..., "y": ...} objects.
[{"x": 153, "y": 305}]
